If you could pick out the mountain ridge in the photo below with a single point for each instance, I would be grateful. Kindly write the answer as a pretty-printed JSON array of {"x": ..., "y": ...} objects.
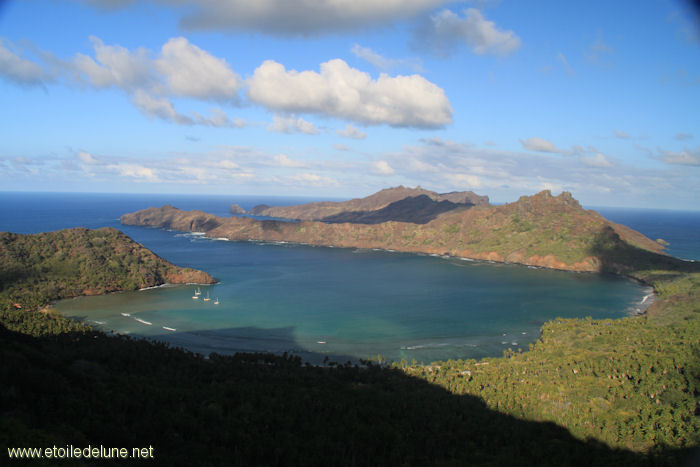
[
  {"x": 324, "y": 209},
  {"x": 539, "y": 230}
]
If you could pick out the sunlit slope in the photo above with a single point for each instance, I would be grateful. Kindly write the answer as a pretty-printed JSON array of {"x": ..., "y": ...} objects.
[{"x": 540, "y": 230}]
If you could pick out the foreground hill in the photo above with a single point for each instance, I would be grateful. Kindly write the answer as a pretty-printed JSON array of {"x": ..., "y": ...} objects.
[
  {"x": 539, "y": 230},
  {"x": 40, "y": 268},
  {"x": 328, "y": 210}
]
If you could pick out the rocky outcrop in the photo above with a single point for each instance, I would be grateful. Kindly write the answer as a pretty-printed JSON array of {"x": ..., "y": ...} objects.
[
  {"x": 236, "y": 209},
  {"x": 416, "y": 209},
  {"x": 540, "y": 230}
]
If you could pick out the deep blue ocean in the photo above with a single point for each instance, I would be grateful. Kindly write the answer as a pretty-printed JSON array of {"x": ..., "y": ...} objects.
[{"x": 337, "y": 302}]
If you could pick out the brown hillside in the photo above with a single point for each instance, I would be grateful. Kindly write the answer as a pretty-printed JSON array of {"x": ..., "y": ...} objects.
[{"x": 377, "y": 201}]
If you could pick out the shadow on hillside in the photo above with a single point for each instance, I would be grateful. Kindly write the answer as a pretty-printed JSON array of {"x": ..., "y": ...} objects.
[
  {"x": 260, "y": 409},
  {"x": 618, "y": 256}
]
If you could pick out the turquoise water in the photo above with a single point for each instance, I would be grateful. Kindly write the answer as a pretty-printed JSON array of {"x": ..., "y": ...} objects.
[
  {"x": 349, "y": 304},
  {"x": 316, "y": 302}
]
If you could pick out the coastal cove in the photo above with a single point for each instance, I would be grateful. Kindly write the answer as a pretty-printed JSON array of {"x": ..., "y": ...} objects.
[
  {"x": 285, "y": 298},
  {"x": 351, "y": 304}
]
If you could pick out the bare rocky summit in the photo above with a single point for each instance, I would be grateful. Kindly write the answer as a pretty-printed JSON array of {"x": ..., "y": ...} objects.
[{"x": 328, "y": 209}]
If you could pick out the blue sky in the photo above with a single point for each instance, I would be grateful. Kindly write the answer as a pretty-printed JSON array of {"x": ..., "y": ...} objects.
[{"x": 342, "y": 98}]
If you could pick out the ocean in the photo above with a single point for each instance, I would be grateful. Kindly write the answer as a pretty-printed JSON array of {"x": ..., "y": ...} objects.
[{"x": 345, "y": 304}]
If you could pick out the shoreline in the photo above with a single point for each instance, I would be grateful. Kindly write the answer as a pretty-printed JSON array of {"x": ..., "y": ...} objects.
[{"x": 633, "y": 310}]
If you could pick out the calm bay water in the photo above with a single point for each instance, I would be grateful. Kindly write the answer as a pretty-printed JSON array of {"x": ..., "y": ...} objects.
[{"x": 344, "y": 303}]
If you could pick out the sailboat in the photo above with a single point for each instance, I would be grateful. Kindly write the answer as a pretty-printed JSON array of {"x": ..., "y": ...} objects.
[
  {"x": 207, "y": 299},
  {"x": 197, "y": 293},
  {"x": 217, "y": 301}
]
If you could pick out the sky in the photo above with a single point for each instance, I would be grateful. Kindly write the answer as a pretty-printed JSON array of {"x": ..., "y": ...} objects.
[{"x": 341, "y": 98}]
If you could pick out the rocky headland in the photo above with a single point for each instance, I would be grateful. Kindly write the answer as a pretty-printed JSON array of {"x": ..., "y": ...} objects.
[{"x": 540, "y": 230}]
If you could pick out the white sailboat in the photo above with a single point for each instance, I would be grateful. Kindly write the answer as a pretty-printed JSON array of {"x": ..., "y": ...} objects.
[
  {"x": 217, "y": 301},
  {"x": 207, "y": 299}
]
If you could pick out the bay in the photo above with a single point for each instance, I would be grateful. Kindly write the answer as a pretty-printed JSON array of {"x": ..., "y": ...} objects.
[{"x": 316, "y": 302}]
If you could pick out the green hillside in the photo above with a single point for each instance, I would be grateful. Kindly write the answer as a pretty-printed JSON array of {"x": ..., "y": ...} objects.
[{"x": 611, "y": 392}]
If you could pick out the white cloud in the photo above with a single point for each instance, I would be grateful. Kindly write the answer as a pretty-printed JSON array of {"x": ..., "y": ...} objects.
[
  {"x": 382, "y": 63},
  {"x": 352, "y": 132},
  {"x": 685, "y": 157},
  {"x": 227, "y": 164},
  {"x": 135, "y": 171},
  {"x": 292, "y": 124},
  {"x": 312, "y": 179},
  {"x": 19, "y": 70},
  {"x": 541, "y": 145},
  {"x": 158, "y": 107},
  {"x": 463, "y": 181},
  {"x": 284, "y": 161},
  {"x": 597, "y": 160},
  {"x": 382, "y": 168},
  {"x": 87, "y": 158},
  {"x": 115, "y": 66},
  {"x": 343, "y": 92},
  {"x": 193, "y": 72},
  {"x": 446, "y": 30},
  {"x": 621, "y": 134},
  {"x": 562, "y": 59}
]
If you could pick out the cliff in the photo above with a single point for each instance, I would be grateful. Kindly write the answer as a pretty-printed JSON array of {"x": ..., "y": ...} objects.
[
  {"x": 79, "y": 261},
  {"x": 377, "y": 201},
  {"x": 539, "y": 230}
]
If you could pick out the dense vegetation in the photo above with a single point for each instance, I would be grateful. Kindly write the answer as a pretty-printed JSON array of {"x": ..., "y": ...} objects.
[
  {"x": 38, "y": 269},
  {"x": 610, "y": 392}
]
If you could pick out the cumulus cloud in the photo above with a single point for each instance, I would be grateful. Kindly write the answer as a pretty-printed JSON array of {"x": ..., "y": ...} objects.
[
  {"x": 193, "y": 72},
  {"x": 283, "y": 160},
  {"x": 685, "y": 157},
  {"x": 382, "y": 168},
  {"x": 541, "y": 145},
  {"x": 292, "y": 124},
  {"x": 382, "y": 63},
  {"x": 351, "y": 132},
  {"x": 344, "y": 92},
  {"x": 597, "y": 160},
  {"x": 114, "y": 65},
  {"x": 18, "y": 70},
  {"x": 446, "y": 30}
]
